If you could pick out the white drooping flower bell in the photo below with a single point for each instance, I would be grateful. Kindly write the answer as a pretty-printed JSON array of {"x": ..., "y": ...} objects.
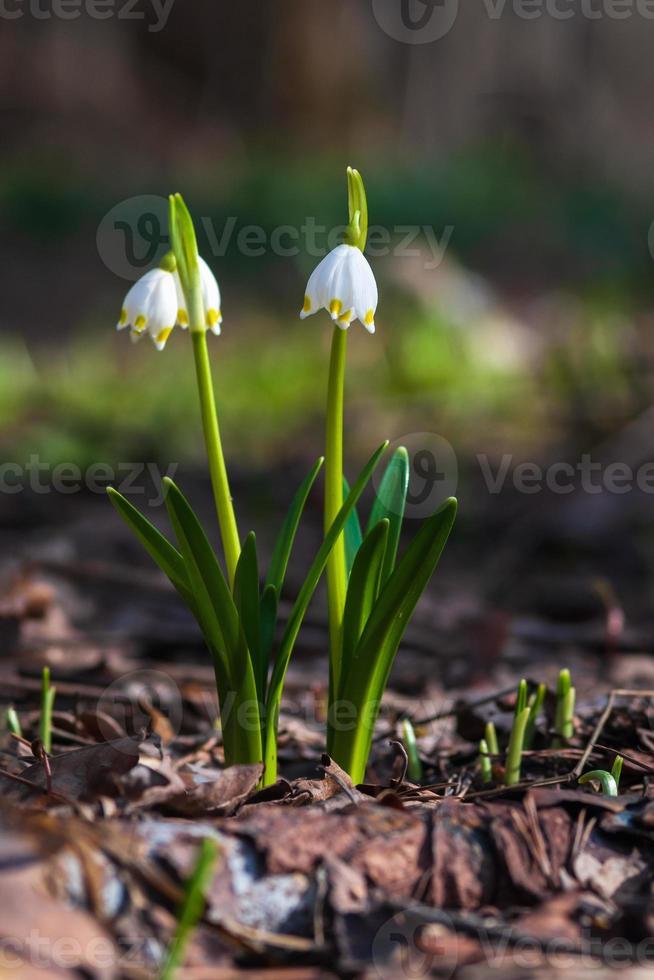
[
  {"x": 344, "y": 285},
  {"x": 210, "y": 299},
  {"x": 151, "y": 304}
]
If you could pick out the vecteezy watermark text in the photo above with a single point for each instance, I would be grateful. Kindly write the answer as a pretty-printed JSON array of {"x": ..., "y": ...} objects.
[
  {"x": 154, "y": 12},
  {"x": 426, "y": 21},
  {"x": 42, "y": 477},
  {"x": 587, "y": 475},
  {"x": 134, "y": 234}
]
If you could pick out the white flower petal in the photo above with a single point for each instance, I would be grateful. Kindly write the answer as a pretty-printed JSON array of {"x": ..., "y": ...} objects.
[
  {"x": 317, "y": 293},
  {"x": 365, "y": 291},
  {"x": 210, "y": 298},
  {"x": 151, "y": 304},
  {"x": 344, "y": 285}
]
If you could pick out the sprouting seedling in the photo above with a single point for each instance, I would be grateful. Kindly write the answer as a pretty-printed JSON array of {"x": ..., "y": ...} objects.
[
  {"x": 616, "y": 770},
  {"x": 517, "y": 738},
  {"x": 604, "y": 778},
  {"x": 47, "y": 703},
  {"x": 521, "y": 699},
  {"x": 485, "y": 762},
  {"x": 414, "y": 765},
  {"x": 13, "y": 722},
  {"x": 565, "y": 709},
  {"x": 535, "y": 705},
  {"x": 491, "y": 738},
  {"x": 191, "y": 907}
]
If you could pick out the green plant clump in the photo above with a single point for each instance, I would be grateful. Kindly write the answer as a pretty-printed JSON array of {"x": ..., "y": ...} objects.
[{"x": 372, "y": 591}]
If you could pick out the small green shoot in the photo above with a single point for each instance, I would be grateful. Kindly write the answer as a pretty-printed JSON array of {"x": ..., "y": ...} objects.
[
  {"x": 535, "y": 704},
  {"x": 521, "y": 699},
  {"x": 616, "y": 770},
  {"x": 414, "y": 766},
  {"x": 565, "y": 709},
  {"x": 516, "y": 745},
  {"x": 191, "y": 907},
  {"x": 491, "y": 739},
  {"x": 485, "y": 763},
  {"x": 604, "y": 778},
  {"x": 47, "y": 703},
  {"x": 13, "y": 722}
]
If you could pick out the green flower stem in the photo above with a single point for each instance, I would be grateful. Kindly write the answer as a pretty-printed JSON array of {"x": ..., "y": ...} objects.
[
  {"x": 217, "y": 468},
  {"x": 336, "y": 569}
]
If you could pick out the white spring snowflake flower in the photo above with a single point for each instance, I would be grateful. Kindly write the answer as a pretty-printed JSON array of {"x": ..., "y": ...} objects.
[
  {"x": 344, "y": 285},
  {"x": 151, "y": 305}
]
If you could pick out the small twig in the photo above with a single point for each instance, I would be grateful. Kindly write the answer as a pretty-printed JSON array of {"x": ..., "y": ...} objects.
[{"x": 626, "y": 757}]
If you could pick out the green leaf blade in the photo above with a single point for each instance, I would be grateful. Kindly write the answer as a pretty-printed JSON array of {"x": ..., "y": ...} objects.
[
  {"x": 246, "y": 599},
  {"x": 363, "y": 587},
  {"x": 284, "y": 544},
  {"x": 352, "y": 534},
  {"x": 162, "y": 552},
  {"x": 298, "y": 611},
  {"x": 365, "y": 680},
  {"x": 221, "y": 625},
  {"x": 390, "y": 504}
]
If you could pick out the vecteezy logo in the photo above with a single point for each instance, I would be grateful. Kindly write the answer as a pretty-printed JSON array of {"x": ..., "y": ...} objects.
[
  {"x": 133, "y": 235},
  {"x": 127, "y": 699},
  {"x": 398, "y": 950},
  {"x": 416, "y": 21},
  {"x": 433, "y": 474}
]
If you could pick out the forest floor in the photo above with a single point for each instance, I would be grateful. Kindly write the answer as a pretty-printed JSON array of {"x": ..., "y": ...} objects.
[{"x": 316, "y": 877}]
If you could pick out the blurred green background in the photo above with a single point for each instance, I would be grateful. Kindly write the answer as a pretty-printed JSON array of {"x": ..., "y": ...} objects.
[{"x": 531, "y": 331}]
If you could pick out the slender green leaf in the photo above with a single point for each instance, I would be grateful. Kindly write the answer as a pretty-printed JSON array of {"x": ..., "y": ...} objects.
[
  {"x": 284, "y": 543},
  {"x": 363, "y": 587},
  {"x": 191, "y": 907},
  {"x": 297, "y": 615},
  {"x": 390, "y": 503},
  {"x": 220, "y": 622},
  {"x": 363, "y": 679},
  {"x": 246, "y": 599},
  {"x": 166, "y": 556},
  {"x": 352, "y": 533},
  {"x": 268, "y": 619}
]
